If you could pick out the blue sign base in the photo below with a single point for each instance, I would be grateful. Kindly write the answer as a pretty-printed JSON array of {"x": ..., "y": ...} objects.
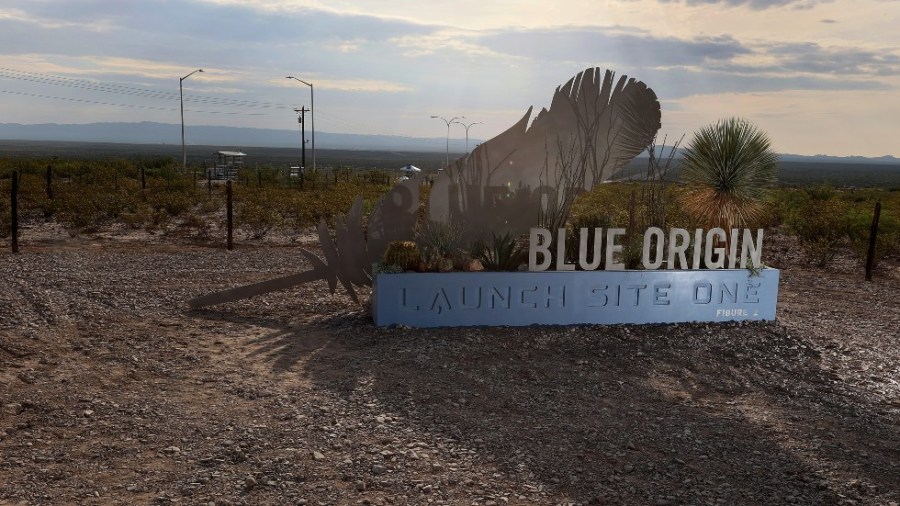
[{"x": 463, "y": 299}]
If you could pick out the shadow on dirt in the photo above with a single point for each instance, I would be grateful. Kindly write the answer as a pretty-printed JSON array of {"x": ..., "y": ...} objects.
[{"x": 679, "y": 414}]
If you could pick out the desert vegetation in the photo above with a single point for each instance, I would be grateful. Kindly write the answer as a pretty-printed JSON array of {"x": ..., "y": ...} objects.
[{"x": 151, "y": 195}]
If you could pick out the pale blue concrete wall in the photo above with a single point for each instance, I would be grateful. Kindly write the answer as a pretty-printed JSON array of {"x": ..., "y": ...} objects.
[{"x": 459, "y": 299}]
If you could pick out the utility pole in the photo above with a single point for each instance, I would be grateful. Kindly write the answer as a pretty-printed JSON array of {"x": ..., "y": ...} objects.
[
  {"x": 302, "y": 120},
  {"x": 312, "y": 114}
]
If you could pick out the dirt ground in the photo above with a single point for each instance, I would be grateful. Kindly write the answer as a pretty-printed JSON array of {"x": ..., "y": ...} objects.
[{"x": 113, "y": 392}]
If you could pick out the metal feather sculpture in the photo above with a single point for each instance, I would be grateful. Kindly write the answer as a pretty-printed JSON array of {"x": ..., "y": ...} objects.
[{"x": 527, "y": 175}]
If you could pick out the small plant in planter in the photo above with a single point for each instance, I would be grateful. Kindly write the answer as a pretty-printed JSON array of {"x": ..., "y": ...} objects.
[
  {"x": 381, "y": 268},
  {"x": 403, "y": 254},
  {"x": 503, "y": 254},
  {"x": 439, "y": 243}
]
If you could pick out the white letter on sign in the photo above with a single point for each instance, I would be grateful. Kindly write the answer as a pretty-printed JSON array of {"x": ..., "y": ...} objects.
[
  {"x": 561, "y": 264},
  {"x": 535, "y": 247},
  {"x": 650, "y": 234},
  {"x": 583, "y": 249},
  {"x": 679, "y": 240},
  {"x": 612, "y": 249}
]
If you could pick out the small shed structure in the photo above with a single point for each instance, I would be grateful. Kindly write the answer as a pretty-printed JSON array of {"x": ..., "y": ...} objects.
[{"x": 227, "y": 165}]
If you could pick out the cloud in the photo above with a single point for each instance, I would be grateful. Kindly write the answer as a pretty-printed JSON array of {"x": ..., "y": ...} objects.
[
  {"x": 807, "y": 122},
  {"x": 754, "y": 4},
  {"x": 680, "y": 83},
  {"x": 353, "y": 85},
  {"x": 53, "y": 22},
  {"x": 455, "y": 41},
  {"x": 704, "y": 64},
  {"x": 814, "y": 59},
  {"x": 610, "y": 44},
  {"x": 408, "y": 59}
]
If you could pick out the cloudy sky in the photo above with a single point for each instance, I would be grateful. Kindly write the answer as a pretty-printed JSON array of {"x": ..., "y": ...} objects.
[{"x": 819, "y": 76}]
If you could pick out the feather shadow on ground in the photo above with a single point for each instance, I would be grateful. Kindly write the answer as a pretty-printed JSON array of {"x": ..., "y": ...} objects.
[{"x": 668, "y": 412}]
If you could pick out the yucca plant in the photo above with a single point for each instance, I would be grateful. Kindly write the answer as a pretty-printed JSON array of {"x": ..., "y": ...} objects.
[
  {"x": 503, "y": 254},
  {"x": 727, "y": 170}
]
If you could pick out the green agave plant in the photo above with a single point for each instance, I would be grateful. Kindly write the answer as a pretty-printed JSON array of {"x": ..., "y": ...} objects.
[{"x": 728, "y": 169}]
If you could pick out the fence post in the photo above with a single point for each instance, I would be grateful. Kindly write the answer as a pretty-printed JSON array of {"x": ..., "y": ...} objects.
[
  {"x": 873, "y": 238},
  {"x": 14, "y": 211},
  {"x": 229, "y": 221},
  {"x": 143, "y": 180}
]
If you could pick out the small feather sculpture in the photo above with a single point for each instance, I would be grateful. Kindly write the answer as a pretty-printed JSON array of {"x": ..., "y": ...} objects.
[{"x": 528, "y": 175}]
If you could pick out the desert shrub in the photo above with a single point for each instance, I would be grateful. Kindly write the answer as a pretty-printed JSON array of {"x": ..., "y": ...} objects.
[
  {"x": 195, "y": 227},
  {"x": 606, "y": 202},
  {"x": 859, "y": 227},
  {"x": 89, "y": 194},
  {"x": 820, "y": 192},
  {"x": 5, "y": 211},
  {"x": 300, "y": 210},
  {"x": 33, "y": 201},
  {"x": 633, "y": 251},
  {"x": 255, "y": 214},
  {"x": 573, "y": 234},
  {"x": 78, "y": 215},
  {"x": 174, "y": 203},
  {"x": 139, "y": 217},
  {"x": 439, "y": 239},
  {"x": 382, "y": 268},
  {"x": 82, "y": 208},
  {"x": 157, "y": 219},
  {"x": 503, "y": 253},
  {"x": 820, "y": 225},
  {"x": 785, "y": 201},
  {"x": 210, "y": 204}
]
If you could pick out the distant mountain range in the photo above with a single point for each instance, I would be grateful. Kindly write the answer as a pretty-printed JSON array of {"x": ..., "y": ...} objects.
[
  {"x": 238, "y": 137},
  {"x": 227, "y": 137}
]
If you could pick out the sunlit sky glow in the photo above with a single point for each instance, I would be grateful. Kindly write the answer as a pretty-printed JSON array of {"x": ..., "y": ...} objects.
[{"x": 819, "y": 76}]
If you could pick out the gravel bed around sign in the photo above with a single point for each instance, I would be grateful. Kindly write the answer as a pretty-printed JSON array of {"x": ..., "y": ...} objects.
[{"x": 113, "y": 392}]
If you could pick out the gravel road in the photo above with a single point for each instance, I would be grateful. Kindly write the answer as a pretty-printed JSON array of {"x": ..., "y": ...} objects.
[{"x": 113, "y": 392}]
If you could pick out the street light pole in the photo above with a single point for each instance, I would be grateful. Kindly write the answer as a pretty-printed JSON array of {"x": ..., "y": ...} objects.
[
  {"x": 467, "y": 132},
  {"x": 448, "y": 122},
  {"x": 312, "y": 114},
  {"x": 181, "y": 95}
]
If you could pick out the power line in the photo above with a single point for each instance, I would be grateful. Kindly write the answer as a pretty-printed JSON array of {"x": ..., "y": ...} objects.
[
  {"x": 132, "y": 106},
  {"x": 138, "y": 92},
  {"x": 129, "y": 90}
]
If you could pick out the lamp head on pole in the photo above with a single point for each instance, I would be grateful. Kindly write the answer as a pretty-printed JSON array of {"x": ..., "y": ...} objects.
[
  {"x": 298, "y": 79},
  {"x": 189, "y": 75},
  {"x": 450, "y": 121}
]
